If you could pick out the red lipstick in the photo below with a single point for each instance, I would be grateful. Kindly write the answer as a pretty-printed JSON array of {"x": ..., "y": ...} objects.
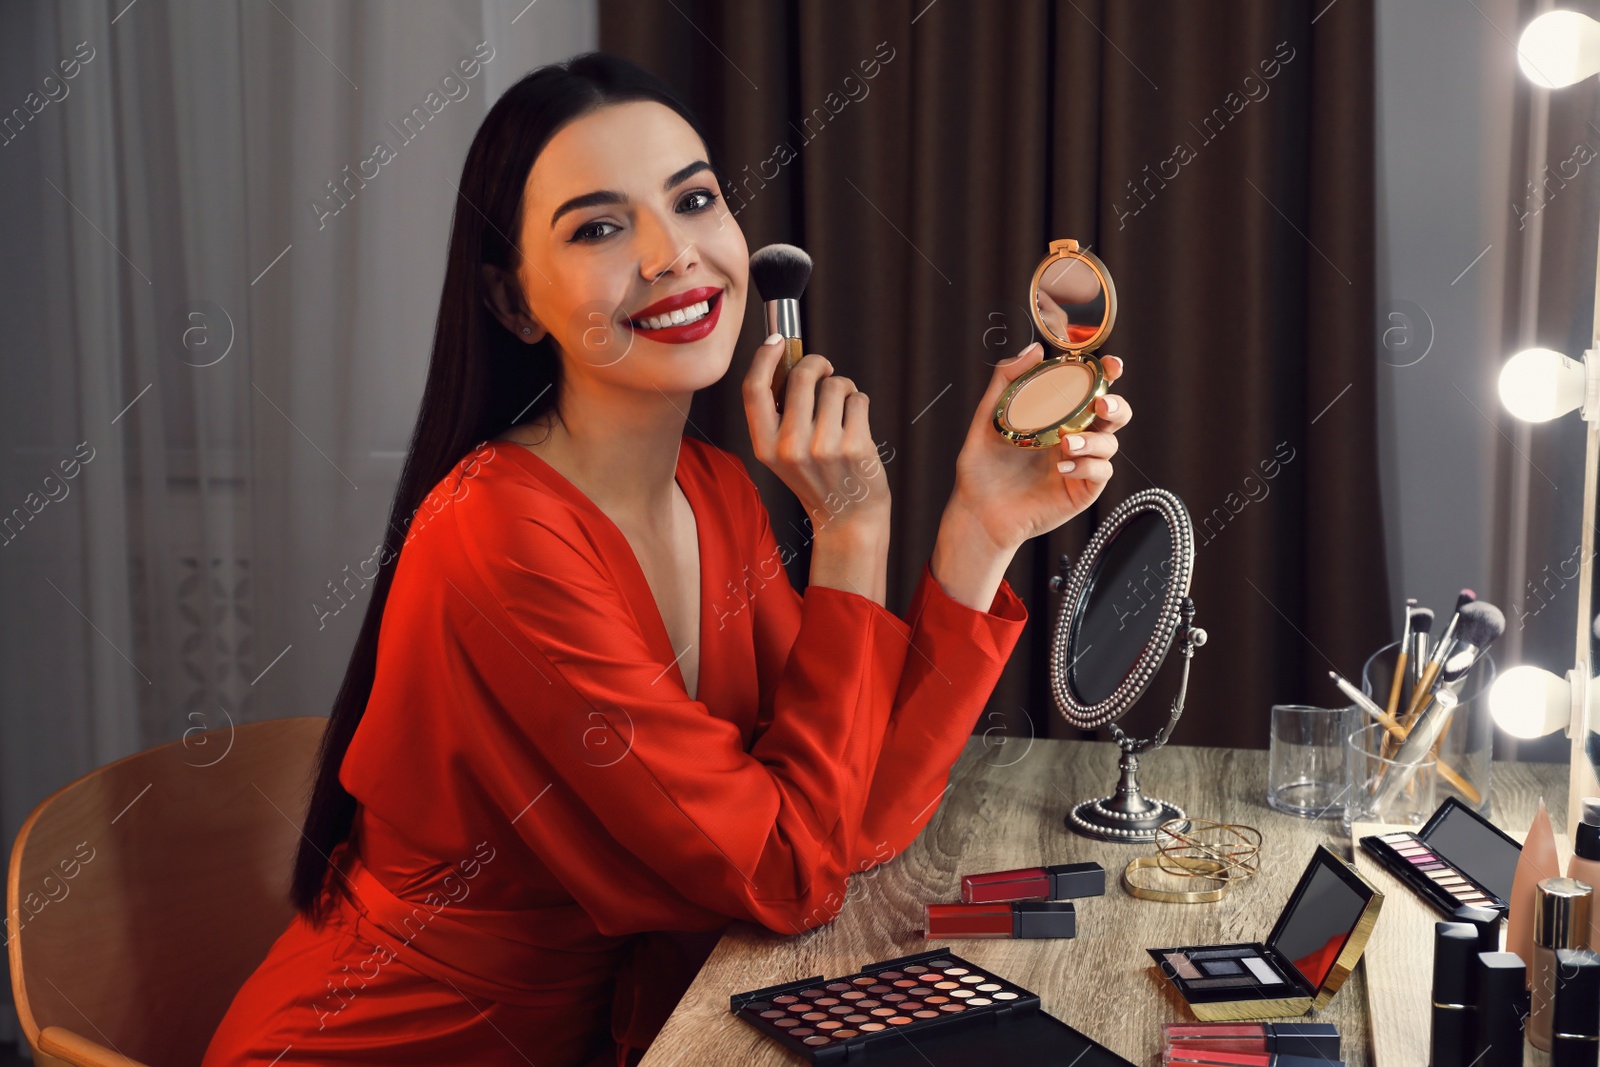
[
  {"x": 1022, "y": 919},
  {"x": 1060, "y": 882},
  {"x": 685, "y": 332}
]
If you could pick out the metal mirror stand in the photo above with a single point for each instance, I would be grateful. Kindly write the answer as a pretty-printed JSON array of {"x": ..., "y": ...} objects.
[{"x": 1128, "y": 815}]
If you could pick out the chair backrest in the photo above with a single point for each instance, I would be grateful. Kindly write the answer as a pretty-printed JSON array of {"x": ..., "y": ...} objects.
[{"x": 142, "y": 895}]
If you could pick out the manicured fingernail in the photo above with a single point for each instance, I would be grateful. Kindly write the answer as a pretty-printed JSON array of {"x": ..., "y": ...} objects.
[
  {"x": 1065, "y": 466},
  {"x": 1036, "y": 346},
  {"x": 1075, "y": 443},
  {"x": 774, "y": 339},
  {"x": 1111, "y": 405}
]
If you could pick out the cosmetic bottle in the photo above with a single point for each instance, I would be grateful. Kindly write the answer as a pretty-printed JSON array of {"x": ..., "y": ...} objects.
[
  {"x": 1454, "y": 1025},
  {"x": 1560, "y": 920},
  {"x": 1576, "y": 1027},
  {"x": 1021, "y": 919},
  {"x": 1585, "y": 862},
  {"x": 1485, "y": 920},
  {"x": 1536, "y": 863},
  {"x": 1502, "y": 1003},
  {"x": 1059, "y": 882}
]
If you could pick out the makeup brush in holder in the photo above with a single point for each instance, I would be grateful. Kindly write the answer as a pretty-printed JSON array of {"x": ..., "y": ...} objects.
[
  {"x": 1446, "y": 713},
  {"x": 780, "y": 273}
]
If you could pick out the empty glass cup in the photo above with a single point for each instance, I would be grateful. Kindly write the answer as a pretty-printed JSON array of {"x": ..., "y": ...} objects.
[{"x": 1306, "y": 762}]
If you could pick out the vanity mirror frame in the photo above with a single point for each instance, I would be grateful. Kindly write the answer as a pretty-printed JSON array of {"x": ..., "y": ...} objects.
[
  {"x": 1127, "y": 815},
  {"x": 1067, "y": 351}
]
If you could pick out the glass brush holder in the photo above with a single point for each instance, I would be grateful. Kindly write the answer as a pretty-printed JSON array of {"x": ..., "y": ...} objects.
[{"x": 1466, "y": 749}]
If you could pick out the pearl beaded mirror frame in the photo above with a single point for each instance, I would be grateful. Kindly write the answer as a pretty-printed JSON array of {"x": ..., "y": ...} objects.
[{"x": 1122, "y": 606}]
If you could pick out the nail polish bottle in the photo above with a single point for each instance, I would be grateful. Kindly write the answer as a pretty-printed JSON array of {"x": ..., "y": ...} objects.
[{"x": 1560, "y": 920}]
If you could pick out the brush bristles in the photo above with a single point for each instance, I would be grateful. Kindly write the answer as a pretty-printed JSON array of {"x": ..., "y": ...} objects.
[
  {"x": 1422, "y": 621},
  {"x": 780, "y": 271},
  {"x": 1481, "y": 624}
]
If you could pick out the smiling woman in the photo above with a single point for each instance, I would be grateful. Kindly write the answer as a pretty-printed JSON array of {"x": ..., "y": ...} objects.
[{"x": 541, "y": 671}]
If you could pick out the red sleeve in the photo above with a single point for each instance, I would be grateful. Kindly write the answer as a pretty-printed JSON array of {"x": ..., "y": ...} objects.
[
  {"x": 624, "y": 769},
  {"x": 954, "y": 656}
]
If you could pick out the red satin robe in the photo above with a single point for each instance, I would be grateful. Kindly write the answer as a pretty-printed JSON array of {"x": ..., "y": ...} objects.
[{"x": 540, "y": 798}]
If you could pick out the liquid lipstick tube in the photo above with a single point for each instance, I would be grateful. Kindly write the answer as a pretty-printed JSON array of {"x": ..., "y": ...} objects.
[
  {"x": 1021, "y": 919},
  {"x": 1293, "y": 1039},
  {"x": 1060, "y": 882},
  {"x": 1453, "y": 1025},
  {"x": 1186, "y": 1058},
  {"x": 1501, "y": 984},
  {"x": 1575, "y": 1039}
]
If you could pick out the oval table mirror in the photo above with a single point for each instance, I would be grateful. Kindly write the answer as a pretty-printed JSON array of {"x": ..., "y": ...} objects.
[{"x": 1122, "y": 606}]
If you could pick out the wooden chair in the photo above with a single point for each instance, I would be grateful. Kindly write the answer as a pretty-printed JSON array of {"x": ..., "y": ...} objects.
[{"x": 142, "y": 895}]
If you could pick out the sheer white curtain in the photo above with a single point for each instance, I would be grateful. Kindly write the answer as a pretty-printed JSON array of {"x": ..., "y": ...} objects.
[{"x": 223, "y": 229}]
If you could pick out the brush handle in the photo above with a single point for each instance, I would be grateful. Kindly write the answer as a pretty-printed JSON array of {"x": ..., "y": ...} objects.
[
  {"x": 1423, "y": 693},
  {"x": 1394, "y": 685},
  {"x": 793, "y": 349}
]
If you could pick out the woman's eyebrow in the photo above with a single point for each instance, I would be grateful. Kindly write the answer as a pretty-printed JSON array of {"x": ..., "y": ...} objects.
[{"x": 608, "y": 196}]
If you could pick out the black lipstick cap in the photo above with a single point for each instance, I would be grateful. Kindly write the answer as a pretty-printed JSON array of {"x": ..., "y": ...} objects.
[
  {"x": 1487, "y": 920},
  {"x": 1576, "y": 1018},
  {"x": 1452, "y": 1023},
  {"x": 1069, "y": 880},
  {"x": 1502, "y": 1005},
  {"x": 1044, "y": 918}
]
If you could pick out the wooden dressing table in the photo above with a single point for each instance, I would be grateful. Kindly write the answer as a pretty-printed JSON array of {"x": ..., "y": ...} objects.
[{"x": 1004, "y": 810}]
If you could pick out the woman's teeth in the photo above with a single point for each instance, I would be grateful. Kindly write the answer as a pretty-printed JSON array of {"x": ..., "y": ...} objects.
[{"x": 676, "y": 318}]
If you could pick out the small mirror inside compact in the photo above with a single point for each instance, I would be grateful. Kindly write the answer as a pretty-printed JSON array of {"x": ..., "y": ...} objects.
[{"x": 1073, "y": 305}]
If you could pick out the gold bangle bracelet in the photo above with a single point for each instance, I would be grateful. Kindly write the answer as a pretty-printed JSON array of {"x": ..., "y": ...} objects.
[{"x": 1202, "y": 868}]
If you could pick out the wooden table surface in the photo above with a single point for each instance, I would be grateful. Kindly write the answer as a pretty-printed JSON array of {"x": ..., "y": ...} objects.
[{"x": 1004, "y": 810}]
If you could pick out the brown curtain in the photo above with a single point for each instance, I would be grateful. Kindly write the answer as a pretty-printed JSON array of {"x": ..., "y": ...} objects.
[{"x": 1218, "y": 156}]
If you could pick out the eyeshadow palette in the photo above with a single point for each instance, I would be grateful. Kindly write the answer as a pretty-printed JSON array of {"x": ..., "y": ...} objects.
[
  {"x": 1457, "y": 858},
  {"x": 931, "y": 1008},
  {"x": 1316, "y": 943}
]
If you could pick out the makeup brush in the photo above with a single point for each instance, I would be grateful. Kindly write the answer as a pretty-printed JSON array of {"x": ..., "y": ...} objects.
[
  {"x": 780, "y": 273},
  {"x": 1431, "y": 723},
  {"x": 1421, "y": 627},
  {"x": 1400, "y": 657},
  {"x": 1366, "y": 704},
  {"x": 1430, "y": 672}
]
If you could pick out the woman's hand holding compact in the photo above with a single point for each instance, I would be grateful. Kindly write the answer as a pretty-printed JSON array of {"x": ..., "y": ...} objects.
[{"x": 1004, "y": 495}]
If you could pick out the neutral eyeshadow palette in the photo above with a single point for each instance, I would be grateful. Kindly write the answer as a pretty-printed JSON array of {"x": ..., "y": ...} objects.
[
  {"x": 931, "y": 1008},
  {"x": 1316, "y": 943},
  {"x": 1458, "y": 857}
]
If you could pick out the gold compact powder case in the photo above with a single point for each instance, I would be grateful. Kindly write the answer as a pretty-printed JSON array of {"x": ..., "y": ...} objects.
[{"x": 1074, "y": 305}]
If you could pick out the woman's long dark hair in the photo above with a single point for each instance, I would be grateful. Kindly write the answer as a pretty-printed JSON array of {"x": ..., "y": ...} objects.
[{"x": 480, "y": 379}]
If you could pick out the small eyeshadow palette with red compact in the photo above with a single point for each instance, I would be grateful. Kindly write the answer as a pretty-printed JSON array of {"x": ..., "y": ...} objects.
[
  {"x": 931, "y": 1008},
  {"x": 1457, "y": 858}
]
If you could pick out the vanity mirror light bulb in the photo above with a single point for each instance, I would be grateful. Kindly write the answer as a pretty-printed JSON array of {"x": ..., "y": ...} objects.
[
  {"x": 1530, "y": 702},
  {"x": 1559, "y": 48},
  {"x": 1538, "y": 384}
]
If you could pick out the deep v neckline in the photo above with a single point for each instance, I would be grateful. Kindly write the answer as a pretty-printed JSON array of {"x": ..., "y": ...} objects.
[{"x": 655, "y": 623}]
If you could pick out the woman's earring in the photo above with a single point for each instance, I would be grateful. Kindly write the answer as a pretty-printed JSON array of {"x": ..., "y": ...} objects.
[{"x": 527, "y": 329}]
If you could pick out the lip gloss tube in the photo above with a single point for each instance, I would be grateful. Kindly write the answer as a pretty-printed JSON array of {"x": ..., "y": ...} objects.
[
  {"x": 1059, "y": 882},
  {"x": 1186, "y": 1058},
  {"x": 1293, "y": 1039},
  {"x": 1020, "y": 919}
]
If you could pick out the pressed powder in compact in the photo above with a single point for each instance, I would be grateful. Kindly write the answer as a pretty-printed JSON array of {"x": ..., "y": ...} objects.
[{"x": 1073, "y": 304}]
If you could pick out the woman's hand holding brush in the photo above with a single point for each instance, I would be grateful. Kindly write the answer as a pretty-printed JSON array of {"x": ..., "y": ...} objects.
[{"x": 821, "y": 447}]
